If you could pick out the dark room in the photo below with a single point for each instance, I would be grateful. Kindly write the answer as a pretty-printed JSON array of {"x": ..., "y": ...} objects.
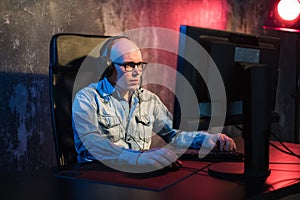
[{"x": 150, "y": 99}]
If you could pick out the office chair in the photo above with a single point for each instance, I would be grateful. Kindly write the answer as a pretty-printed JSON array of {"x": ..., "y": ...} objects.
[{"x": 70, "y": 54}]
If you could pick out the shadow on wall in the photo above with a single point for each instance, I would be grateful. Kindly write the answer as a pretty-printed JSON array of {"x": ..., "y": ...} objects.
[{"x": 25, "y": 122}]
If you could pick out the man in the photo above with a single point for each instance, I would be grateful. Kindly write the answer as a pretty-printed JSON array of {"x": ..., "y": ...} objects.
[{"x": 114, "y": 119}]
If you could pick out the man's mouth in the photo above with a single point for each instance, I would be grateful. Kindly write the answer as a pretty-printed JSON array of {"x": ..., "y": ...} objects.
[{"x": 134, "y": 81}]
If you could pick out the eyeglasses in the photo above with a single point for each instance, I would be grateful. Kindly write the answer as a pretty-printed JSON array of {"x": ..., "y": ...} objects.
[{"x": 129, "y": 66}]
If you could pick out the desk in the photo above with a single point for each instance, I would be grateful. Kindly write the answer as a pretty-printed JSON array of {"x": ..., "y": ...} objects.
[{"x": 283, "y": 180}]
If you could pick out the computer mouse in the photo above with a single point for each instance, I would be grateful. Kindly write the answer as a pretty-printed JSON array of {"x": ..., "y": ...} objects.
[{"x": 174, "y": 166}]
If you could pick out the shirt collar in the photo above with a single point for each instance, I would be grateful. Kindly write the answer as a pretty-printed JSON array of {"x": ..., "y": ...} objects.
[{"x": 105, "y": 88}]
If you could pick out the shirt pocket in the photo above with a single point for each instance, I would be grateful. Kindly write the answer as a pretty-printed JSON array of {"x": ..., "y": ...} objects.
[
  {"x": 144, "y": 127},
  {"x": 110, "y": 126}
]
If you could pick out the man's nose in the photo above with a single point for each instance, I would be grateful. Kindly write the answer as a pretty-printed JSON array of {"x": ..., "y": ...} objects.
[{"x": 136, "y": 70}]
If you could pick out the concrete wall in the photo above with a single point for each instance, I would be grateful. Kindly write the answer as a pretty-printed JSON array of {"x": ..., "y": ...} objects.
[{"x": 26, "y": 28}]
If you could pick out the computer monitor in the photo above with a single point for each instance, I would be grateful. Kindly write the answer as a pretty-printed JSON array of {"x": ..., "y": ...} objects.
[{"x": 248, "y": 66}]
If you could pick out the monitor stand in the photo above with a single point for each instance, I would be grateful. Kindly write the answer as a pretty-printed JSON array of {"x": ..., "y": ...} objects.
[
  {"x": 257, "y": 112},
  {"x": 235, "y": 171}
]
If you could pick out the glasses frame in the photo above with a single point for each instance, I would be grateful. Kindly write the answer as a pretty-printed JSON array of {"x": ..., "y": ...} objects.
[{"x": 130, "y": 66}]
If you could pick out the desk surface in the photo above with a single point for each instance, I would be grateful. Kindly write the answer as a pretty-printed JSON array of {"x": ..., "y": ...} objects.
[{"x": 283, "y": 180}]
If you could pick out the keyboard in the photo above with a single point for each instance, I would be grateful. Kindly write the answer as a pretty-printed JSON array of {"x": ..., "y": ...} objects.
[{"x": 214, "y": 156}]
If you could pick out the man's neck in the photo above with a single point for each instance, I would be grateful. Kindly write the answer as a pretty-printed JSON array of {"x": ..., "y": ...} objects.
[{"x": 125, "y": 94}]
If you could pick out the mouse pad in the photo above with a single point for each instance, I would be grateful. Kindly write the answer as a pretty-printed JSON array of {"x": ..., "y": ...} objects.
[{"x": 157, "y": 180}]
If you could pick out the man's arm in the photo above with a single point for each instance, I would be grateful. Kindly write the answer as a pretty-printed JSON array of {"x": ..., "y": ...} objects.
[
  {"x": 185, "y": 139},
  {"x": 90, "y": 137}
]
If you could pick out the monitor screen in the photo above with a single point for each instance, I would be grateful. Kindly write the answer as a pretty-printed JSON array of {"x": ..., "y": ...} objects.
[{"x": 229, "y": 51}]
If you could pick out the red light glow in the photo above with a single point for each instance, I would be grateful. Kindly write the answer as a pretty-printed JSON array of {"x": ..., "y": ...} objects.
[{"x": 288, "y": 9}]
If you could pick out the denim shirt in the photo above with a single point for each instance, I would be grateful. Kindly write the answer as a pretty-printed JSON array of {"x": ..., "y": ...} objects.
[{"x": 107, "y": 128}]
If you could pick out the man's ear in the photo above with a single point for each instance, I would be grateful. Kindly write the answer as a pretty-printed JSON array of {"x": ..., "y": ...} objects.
[{"x": 112, "y": 75}]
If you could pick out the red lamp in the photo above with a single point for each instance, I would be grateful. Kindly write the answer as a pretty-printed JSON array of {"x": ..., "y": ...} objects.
[{"x": 284, "y": 15}]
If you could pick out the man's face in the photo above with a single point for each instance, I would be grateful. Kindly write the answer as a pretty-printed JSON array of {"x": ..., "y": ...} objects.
[
  {"x": 125, "y": 51},
  {"x": 129, "y": 80}
]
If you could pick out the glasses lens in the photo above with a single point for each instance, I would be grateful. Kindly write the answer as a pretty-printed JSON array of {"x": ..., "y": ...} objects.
[{"x": 129, "y": 66}]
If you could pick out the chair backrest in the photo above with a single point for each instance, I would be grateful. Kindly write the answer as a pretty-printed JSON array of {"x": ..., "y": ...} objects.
[{"x": 70, "y": 55}]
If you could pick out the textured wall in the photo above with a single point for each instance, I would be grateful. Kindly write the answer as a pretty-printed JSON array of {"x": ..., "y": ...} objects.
[{"x": 26, "y": 27}]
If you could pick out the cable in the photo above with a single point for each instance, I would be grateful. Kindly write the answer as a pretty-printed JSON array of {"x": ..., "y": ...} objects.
[
  {"x": 238, "y": 127},
  {"x": 289, "y": 151},
  {"x": 279, "y": 149}
]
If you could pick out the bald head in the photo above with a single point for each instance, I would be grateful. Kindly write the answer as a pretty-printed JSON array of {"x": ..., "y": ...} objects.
[{"x": 124, "y": 50}]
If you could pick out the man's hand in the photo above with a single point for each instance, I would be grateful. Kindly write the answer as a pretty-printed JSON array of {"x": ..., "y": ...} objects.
[
  {"x": 157, "y": 158},
  {"x": 226, "y": 143}
]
